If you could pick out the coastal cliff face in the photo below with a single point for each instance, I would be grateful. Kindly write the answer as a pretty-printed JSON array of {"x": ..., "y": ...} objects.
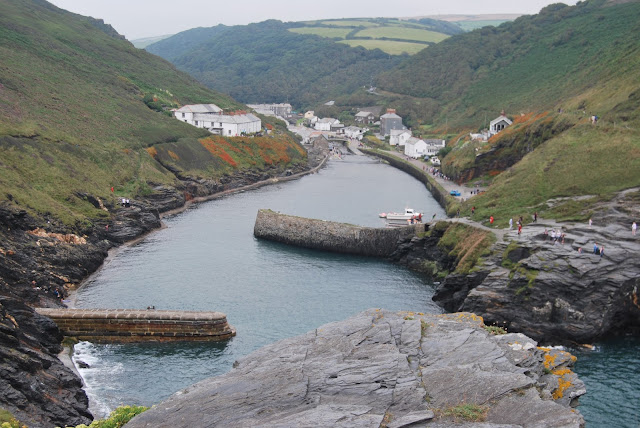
[
  {"x": 385, "y": 369},
  {"x": 551, "y": 292}
]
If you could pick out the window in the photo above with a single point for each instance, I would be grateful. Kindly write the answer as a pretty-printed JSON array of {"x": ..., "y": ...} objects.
[
  {"x": 196, "y": 122},
  {"x": 183, "y": 115}
]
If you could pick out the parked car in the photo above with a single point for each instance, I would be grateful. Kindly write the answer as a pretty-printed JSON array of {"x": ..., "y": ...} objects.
[
  {"x": 435, "y": 160},
  {"x": 454, "y": 193}
]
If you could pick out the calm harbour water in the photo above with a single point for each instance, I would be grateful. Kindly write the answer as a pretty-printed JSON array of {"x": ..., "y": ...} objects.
[{"x": 208, "y": 259}]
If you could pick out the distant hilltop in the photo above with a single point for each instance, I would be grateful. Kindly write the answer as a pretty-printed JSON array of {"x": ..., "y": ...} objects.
[{"x": 481, "y": 17}]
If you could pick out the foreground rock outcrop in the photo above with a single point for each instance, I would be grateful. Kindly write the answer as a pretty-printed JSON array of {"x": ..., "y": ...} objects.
[{"x": 384, "y": 369}]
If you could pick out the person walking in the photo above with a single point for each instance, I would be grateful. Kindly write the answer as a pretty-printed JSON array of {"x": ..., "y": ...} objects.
[
  {"x": 510, "y": 223},
  {"x": 491, "y": 219},
  {"x": 520, "y": 229},
  {"x": 535, "y": 217},
  {"x": 590, "y": 222},
  {"x": 634, "y": 226},
  {"x": 595, "y": 248}
]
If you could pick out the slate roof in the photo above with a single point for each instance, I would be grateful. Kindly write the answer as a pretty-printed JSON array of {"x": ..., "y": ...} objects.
[
  {"x": 200, "y": 108},
  {"x": 238, "y": 118}
]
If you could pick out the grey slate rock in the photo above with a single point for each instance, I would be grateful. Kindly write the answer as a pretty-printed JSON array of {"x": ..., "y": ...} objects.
[{"x": 375, "y": 369}]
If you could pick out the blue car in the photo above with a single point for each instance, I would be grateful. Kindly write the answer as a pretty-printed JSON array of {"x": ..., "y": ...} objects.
[{"x": 454, "y": 193}]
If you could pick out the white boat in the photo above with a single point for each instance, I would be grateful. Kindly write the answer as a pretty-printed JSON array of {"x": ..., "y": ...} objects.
[{"x": 409, "y": 213}]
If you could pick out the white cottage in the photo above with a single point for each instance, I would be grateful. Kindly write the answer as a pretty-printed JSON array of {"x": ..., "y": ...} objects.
[
  {"x": 354, "y": 132},
  {"x": 434, "y": 146},
  {"x": 415, "y": 147},
  {"x": 186, "y": 113},
  {"x": 498, "y": 124},
  {"x": 399, "y": 137},
  {"x": 233, "y": 125},
  {"x": 326, "y": 124}
]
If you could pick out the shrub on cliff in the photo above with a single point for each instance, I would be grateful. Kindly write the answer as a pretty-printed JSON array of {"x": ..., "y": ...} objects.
[{"x": 118, "y": 418}]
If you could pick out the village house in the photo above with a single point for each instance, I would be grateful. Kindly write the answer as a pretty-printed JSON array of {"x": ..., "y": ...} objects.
[
  {"x": 415, "y": 147},
  {"x": 365, "y": 117},
  {"x": 390, "y": 121},
  {"x": 211, "y": 117},
  {"x": 498, "y": 124},
  {"x": 355, "y": 132},
  {"x": 398, "y": 137},
  {"x": 326, "y": 124},
  {"x": 434, "y": 146},
  {"x": 185, "y": 113},
  {"x": 231, "y": 125}
]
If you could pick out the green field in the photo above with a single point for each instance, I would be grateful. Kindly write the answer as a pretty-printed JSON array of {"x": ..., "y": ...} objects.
[
  {"x": 350, "y": 23},
  {"x": 390, "y": 47},
  {"x": 395, "y": 32},
  {"x": 332, "y": 33}
]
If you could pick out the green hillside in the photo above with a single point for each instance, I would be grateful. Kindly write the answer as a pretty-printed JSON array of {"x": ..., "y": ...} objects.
[
  {"x": 393, "y": 36},
  {"x": 266, "y": 62},
  {"x": 551, "y": 72},
  {"x": 79, "y": 106},
  {"x": 302, "y": 63},
  {"x": 536, "y": 62}
]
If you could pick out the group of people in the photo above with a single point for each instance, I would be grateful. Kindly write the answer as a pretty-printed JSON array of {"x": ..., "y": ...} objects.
[
  {"x": 438, "y": 174},
  {"x": 555, "y": 236},
  {"x": 126, "y": 203}
]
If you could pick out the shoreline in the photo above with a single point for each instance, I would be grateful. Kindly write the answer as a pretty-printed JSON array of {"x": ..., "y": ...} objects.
[{"x": 112, "y": 252}]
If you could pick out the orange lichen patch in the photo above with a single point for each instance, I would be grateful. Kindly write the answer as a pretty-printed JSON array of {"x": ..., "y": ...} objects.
[
  {"x": 549, "y": 361},
  {"x": 152, "y": 151},
  {"x": 562, "y": 371},
  {"x": 563, "y": 384},
  {"x": 217, "y": 151},
  {"x": 173, "y": 155},
  {"x": 542, "y": 348}
]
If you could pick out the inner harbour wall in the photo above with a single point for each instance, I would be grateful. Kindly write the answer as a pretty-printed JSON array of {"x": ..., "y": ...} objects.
[
  {"x": 332, "y": 236},
  {"x": 136, "y": 325}
]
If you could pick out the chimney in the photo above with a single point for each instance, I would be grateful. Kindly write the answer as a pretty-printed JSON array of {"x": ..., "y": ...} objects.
[{"x": 391, "y": 110}]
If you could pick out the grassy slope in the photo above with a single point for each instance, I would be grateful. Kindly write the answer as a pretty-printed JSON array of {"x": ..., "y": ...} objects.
[
  {"x": 273, "y": 61},
  {"x": 535, "y": 63},
  {"x": 72, "y": 114},
  {"x": 583, "y": 60},
  {"x": 265, "y": 62}
]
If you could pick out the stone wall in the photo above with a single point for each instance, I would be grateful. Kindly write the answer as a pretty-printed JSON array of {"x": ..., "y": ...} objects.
[
  {"x": 127, "y": 325},
  {"x": 332, "y": 236},
  {"x": 438, "y": 192}
]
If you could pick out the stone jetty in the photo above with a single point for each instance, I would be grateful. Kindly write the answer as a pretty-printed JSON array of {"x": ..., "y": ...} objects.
[
  {"x": 135, "y": 325},
  {"x": 331, "y": 236},
  {"x": 386, "y": 369}
]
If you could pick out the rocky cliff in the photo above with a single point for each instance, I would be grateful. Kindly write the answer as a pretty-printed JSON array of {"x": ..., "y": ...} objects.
[
  {"x": 553, "y": 291},
  {"x": 384, "y": 369},
  {"x": 41, "y": 260}
]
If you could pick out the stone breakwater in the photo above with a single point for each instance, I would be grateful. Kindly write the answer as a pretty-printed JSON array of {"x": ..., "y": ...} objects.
[
  {"x": 331, "y": 236},
  {"x": 131, "y": 325},
  {"x": 388, "y": 369}
]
